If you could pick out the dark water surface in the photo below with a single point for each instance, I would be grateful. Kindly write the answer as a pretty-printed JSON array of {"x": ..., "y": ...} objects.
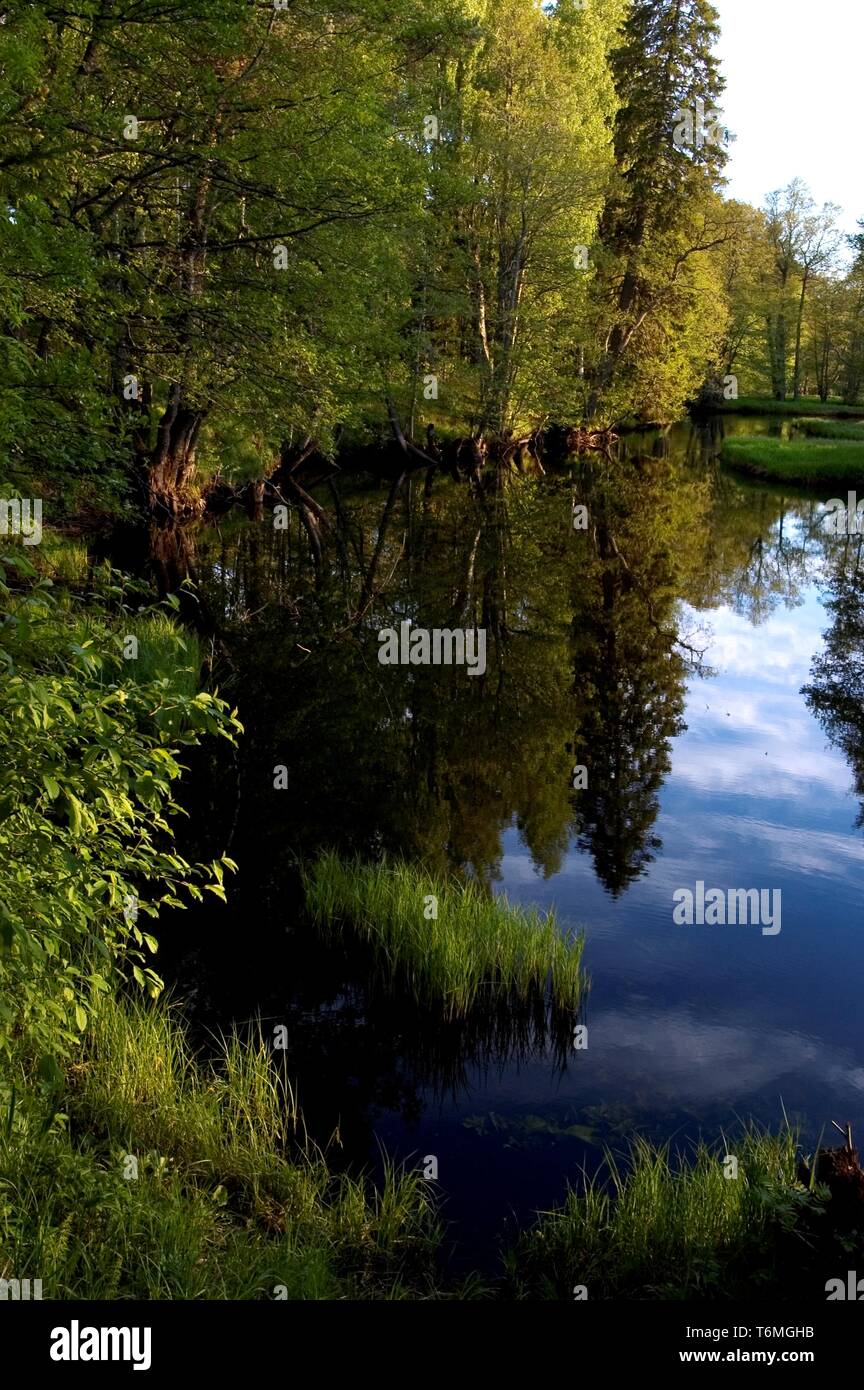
[{"x": 700, "y": 648}]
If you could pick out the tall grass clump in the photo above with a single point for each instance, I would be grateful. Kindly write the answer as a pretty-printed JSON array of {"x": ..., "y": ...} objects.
[
  {"x": 665, "y": 1226},
  {"x": 167, "y": 651},
  {"x": 63, "y": 558},
  {"x": 476, "y": 944},
  {"x": 174, "y": 1178}
]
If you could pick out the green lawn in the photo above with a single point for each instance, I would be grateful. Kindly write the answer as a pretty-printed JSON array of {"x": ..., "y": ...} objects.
[
  {"x": 809, "y": 405},
  {"x": 829, "y": 429},
  {"x": 805, "y": 461}
]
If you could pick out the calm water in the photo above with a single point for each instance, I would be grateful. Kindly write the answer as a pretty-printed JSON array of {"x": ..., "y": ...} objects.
[{"x": 701, "y": 650}]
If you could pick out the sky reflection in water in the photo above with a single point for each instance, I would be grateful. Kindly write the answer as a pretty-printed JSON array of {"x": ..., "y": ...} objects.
[{"x": 690, "y": 1025}]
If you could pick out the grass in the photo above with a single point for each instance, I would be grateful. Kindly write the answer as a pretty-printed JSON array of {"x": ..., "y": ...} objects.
[
  {"x": 225, "y": 1198},
  {"x": 667, "y": 1228},
  {"x": 477, "y": 944},
  {"x": 166, "y": 651},
  {"x": 829, "y": 429},
  {"x": 797, "y": 461},
  {"x": 811, "y": 405},
  {"x": 62, "y": 558}
]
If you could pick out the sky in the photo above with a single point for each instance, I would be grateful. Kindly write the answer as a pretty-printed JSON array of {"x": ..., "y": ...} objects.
[{"x": 794, "y": 74}]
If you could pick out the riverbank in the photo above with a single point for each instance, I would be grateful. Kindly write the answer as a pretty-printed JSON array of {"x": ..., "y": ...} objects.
[
  {"x": 798, "y": 405},
  {"x": 152, "y": 1173},
  {"x": 170, "y": 1177},
  {"x": 829, "y": 429},
  {"x": 827, "y": 462}
]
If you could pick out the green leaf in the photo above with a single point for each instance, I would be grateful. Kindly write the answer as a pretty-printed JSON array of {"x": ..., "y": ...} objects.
[
  {"x": 50, "y": 1071},
  {"x": 74, "y": 806}
]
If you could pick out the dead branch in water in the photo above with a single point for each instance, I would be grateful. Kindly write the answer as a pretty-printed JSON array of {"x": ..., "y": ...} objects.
[{"x": 580, "y": 440}]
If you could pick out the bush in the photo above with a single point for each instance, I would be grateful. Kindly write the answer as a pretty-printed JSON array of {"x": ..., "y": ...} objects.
[{"x": 91, "y": 757}]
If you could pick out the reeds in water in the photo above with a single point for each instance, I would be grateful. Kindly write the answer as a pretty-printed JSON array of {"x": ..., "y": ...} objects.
[{"x": 448, "y": 940}]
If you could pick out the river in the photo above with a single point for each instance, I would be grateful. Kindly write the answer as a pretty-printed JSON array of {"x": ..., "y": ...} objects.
[{"x": 699, "y": 648}]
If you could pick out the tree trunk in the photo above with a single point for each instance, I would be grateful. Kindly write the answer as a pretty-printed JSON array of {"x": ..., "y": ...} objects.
[
  {"x": 797, "y": 368},
  {"x": 776, "y": 333},
  {"x": 172, "y": 462}
]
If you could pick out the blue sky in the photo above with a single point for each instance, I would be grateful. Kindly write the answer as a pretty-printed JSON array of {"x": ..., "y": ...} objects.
[{"x": 794, "y": 90}]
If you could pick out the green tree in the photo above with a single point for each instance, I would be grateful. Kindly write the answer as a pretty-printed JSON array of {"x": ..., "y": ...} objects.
[
  {"x": 517, "y": 178},
  {"x": 661, "y": 218},
  {"x": 235, "y": 196}
]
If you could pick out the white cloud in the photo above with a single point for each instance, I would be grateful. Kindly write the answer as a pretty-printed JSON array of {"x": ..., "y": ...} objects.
[{"x": 689, "y": 1059}]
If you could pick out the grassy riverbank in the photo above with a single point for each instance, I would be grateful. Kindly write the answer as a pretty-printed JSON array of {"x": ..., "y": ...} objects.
[
  {"x": 165, "y": 1177},
  {"x": 128, "y": 1169},
  {"x": 829, "y": 429},
  {"x": 800, "y": 405},
  {"x": 670, "y": 1228},
  {"x": 811, "y": 463},
  {"x": 169, "y": 1178}
]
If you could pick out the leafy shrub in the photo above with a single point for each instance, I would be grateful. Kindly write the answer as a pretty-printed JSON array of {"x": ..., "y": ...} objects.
[{"x": 86, "y": 805}]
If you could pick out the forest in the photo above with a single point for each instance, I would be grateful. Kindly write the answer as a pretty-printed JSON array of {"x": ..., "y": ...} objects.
[{"x": 243, "y": 234}]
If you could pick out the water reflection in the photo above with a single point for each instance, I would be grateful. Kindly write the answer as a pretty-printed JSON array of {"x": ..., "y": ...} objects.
[
  {"x": 629, "y": 658},
  {"x": 836, "y": 690},
  {"x": 664, "y": 647}
]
